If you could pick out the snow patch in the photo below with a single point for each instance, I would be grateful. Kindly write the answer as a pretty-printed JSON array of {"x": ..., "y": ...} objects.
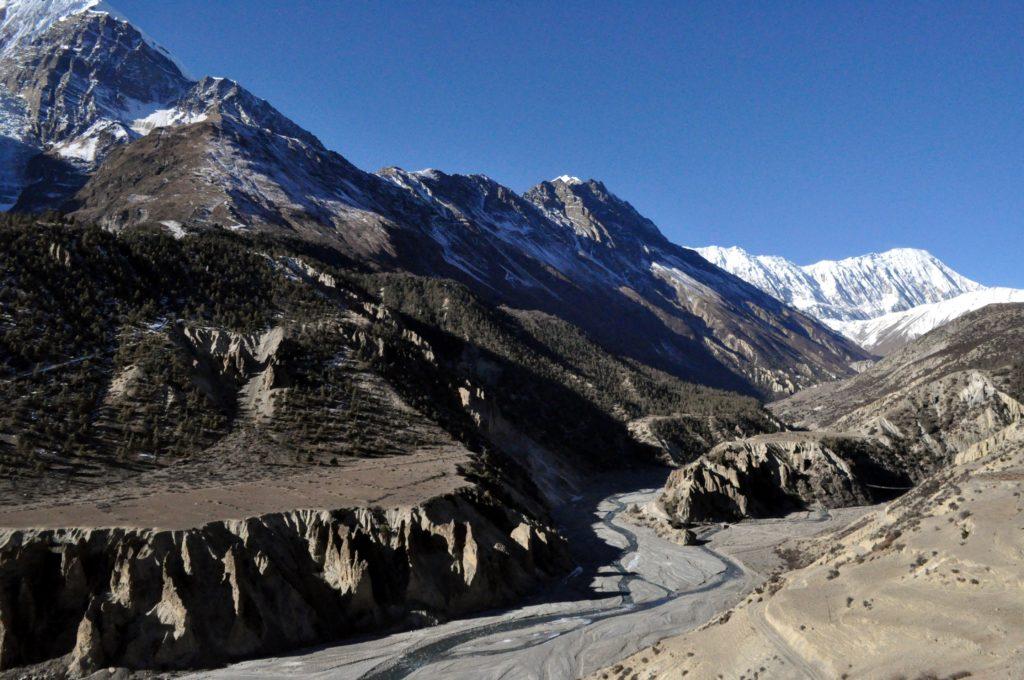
[
  {"x": 175, "y": 228},
  {"x": 165, "y": 118}
]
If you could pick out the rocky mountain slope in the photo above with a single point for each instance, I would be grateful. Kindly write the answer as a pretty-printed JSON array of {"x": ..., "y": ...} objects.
[
  {"x": 927, "y": 586},
  {"x": 232, "y": 396},
  {"x": 76, "y": 80},
  {"x": 937, "y": 396},
  {"x": 603, "y": 267},
  {"x": 174, "y": 345},
  {"x": 872, "y": 436},
  {"x": 106, "y": 108}
]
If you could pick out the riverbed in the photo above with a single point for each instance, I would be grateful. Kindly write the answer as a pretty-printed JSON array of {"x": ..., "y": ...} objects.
[{"x": 630, "y": 589}]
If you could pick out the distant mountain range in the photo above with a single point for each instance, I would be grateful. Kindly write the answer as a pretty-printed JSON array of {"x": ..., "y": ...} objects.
[
  {"x": 879, "y": 300},
  {"x": 100, "y": 122}
]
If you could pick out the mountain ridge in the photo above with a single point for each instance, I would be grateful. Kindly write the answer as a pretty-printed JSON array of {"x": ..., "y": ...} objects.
[
  {"x": 208, "y": 154},
  {"x": 889, "y": 332},
  {"x": 881, "y": 301},
  {"x": 853, "y": 288}
]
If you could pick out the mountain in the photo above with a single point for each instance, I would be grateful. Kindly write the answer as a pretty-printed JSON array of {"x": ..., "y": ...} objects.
[
  {"x": 881, "y": 301},
  {"x": 76, "y": 80},
  {"x": 288, "y": 452},
  {"x": 889, "y": 332},
  {"x": 856, "y": 288},
  {"x": 940, "y": 398},
  {"x": 122, "y": 138}
]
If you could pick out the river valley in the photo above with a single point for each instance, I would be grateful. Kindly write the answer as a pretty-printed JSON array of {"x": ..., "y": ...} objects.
[{"x": 630, "y": 589}]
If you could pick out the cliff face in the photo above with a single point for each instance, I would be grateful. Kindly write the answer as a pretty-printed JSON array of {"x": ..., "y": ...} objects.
[
  {"x": 184, "y": 599},
  {"x": 771, "y": 475}
]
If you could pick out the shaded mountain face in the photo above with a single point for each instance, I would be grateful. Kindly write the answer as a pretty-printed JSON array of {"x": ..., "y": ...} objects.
[
  {"x": 145, "y": 349},
  {"x": 115, "y": 132},
  {"x": 576, "y": 250}
]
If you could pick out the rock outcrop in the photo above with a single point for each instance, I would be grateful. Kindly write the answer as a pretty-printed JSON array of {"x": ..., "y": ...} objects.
[
  {"x": 774, "y": 474},
  {"x": 933, "y": 399},
  {"x": 140, "y": 598}
]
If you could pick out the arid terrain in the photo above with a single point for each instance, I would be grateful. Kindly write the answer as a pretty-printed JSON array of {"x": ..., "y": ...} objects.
[
  {"x": 184, "y": 498},
  {"x": 927, "y": 586}
]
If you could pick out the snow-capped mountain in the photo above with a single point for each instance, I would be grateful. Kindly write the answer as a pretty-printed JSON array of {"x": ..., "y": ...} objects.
[
  {"x": 75, "y": 79},
  {"x": 116, "y": 133},
  {"x": 889, "y": 332},
  {"x": 880, "y": 300},
  {"x": 863, "y": 287}
]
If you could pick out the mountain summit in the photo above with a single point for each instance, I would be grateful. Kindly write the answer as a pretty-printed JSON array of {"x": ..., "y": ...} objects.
[{"x": 855, "y": 288}]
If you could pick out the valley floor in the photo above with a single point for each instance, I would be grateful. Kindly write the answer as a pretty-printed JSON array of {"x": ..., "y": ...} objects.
[
  {"x": 190, "y": 495},
  {"x": 630, "y": 590}
]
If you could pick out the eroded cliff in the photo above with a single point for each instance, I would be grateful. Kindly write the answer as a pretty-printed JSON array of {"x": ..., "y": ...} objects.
[
  {"x": 141, "y": 598},
  {"x": 773, "y": 474}
]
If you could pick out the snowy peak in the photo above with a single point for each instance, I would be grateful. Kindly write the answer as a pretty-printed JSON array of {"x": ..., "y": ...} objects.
[
  {"x": 77, "y": 63},
  {"x": 896, "y": 280},
  {"x": 567, "y": 179},
  {"x": 26, "y": 21},
  {"x": 77, "y": 79},
  {"x": 889, "y": 332},
  {"x": 880, "y": 300},
  {"x": 776, "y": 276},
  {"x": 75, "y": 76},
  {"x": 854, "y": 288}
]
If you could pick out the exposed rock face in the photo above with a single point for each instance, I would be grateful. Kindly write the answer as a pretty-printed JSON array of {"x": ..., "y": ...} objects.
[
  {"x": 182, "y": 599},
  {"x": 73, "y": 81},
  {"x": 774, "y": 474}
]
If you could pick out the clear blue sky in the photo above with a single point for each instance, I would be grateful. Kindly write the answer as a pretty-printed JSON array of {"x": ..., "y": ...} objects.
[{"x": 810, "y": 130}]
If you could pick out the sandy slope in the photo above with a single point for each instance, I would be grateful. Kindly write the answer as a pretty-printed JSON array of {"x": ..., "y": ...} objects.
[{"x": 930, "y": 586}]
